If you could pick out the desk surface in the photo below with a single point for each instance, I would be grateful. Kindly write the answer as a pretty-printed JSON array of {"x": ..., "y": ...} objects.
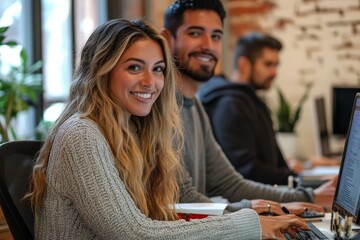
[{"x": 324, "y": 226}]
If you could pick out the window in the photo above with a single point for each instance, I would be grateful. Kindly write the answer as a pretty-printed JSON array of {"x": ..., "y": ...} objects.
[
  {"x": 87, "y": 16},
  {"x": 11, "y": 15},
  {"x": 55, "y": 32},
  {"x": 57, "y": 49},
  {"x": 62, "y": 44}
]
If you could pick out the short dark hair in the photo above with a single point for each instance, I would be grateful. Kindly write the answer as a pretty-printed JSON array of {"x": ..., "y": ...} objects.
[
  {"x": 173, "y": 16},
  {"x": 251, "y": 46}
]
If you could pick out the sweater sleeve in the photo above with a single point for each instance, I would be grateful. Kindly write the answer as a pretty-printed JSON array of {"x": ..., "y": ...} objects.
[
  {"x": 82, "y": 169},
  {"x": 236, "y": 206},
  {"x": 188, "y": 193}
]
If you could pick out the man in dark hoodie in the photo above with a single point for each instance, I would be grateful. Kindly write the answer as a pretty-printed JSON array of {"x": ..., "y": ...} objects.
[{"x": 240, "y": 119}]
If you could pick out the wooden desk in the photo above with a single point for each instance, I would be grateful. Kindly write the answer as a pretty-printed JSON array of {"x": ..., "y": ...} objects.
[{"x": 5, "y": 233}]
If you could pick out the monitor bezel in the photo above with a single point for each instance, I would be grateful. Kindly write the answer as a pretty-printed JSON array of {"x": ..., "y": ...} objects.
[{"x": 336, "y": 207}]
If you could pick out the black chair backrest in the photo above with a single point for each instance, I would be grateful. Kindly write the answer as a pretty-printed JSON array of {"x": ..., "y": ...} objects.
[{"x": 17, "y": 159}]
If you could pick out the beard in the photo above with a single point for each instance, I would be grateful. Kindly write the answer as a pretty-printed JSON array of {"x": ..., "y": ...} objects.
[
  {"x": 201, "y": 74},
  {"x": 256, "y": 85},
  {"x": 265, "y": 85},
  {"x": 261, "y": 85}
]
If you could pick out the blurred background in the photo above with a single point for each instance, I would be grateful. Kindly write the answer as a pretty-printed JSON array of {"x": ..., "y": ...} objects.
[{"x": 321, "y": 41}]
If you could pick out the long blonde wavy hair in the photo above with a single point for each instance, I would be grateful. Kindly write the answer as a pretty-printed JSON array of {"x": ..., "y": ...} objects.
[{"x": 147, "y": 158}]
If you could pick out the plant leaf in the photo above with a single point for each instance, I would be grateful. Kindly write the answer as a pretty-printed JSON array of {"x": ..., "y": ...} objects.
[
  {"x": 13, "y": 133},
  {"x": 283, "y": 113},
  {"x": 287, "y": 119},
  {"x": 33, "y": 80},
  {"x": 298, "y": 110},
  {"x": 10, "y": 43},
  {"x": 24, "y": 60},
  {"x": 3, "y": 29},
  {"x": 36, "y": 66}
]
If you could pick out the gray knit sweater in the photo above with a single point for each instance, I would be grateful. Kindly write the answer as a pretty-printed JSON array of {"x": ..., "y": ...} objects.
[
  {"x": 212, "y": 173},
  {"x": 86, "y": 199}
]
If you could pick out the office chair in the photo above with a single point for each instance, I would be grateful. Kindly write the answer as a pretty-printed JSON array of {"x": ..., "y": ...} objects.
[{"x": 16, "y": 161}]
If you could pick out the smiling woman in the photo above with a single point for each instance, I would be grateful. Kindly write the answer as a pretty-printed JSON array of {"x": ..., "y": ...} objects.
[
  {"x": 118, "y": 101},
  {"x": 138, "y": 77},
  {"x": 112, "y": 159}
]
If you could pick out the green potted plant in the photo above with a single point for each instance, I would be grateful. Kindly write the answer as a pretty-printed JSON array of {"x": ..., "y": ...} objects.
[
  {"x": 287, "y": 118},
  {"x": 19, "y": 89}
]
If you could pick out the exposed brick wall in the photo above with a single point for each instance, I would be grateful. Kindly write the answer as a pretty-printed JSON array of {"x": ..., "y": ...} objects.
[
  {"x": 313, "y": 27},
  {"x": 321, "y": 44}
]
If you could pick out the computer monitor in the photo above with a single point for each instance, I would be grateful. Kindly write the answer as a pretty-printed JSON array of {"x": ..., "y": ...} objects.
[
  {"x": 343, "y": 97},
  {"x": 323, "y": 137},
  {"x": 347, "y": 195},
  {"x": 321, "y": 126}
]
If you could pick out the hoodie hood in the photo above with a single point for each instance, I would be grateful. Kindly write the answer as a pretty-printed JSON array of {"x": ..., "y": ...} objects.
[{"x": 218, "y": 86}]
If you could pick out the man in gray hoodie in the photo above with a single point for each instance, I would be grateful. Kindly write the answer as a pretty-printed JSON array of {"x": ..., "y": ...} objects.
[{"x": 194, "y": 30}]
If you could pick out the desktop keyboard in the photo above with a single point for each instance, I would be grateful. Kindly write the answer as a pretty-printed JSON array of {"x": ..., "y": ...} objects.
[{"x": 313, "y": 233}]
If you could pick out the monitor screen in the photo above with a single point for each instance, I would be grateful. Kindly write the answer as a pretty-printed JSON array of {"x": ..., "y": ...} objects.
[
  {"x": 343, "y": 98},
  {"x": 347, "y": 195}
]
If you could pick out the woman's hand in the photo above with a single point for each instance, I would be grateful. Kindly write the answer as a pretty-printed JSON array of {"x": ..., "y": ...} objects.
[{"x": 274, "y": 227}]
